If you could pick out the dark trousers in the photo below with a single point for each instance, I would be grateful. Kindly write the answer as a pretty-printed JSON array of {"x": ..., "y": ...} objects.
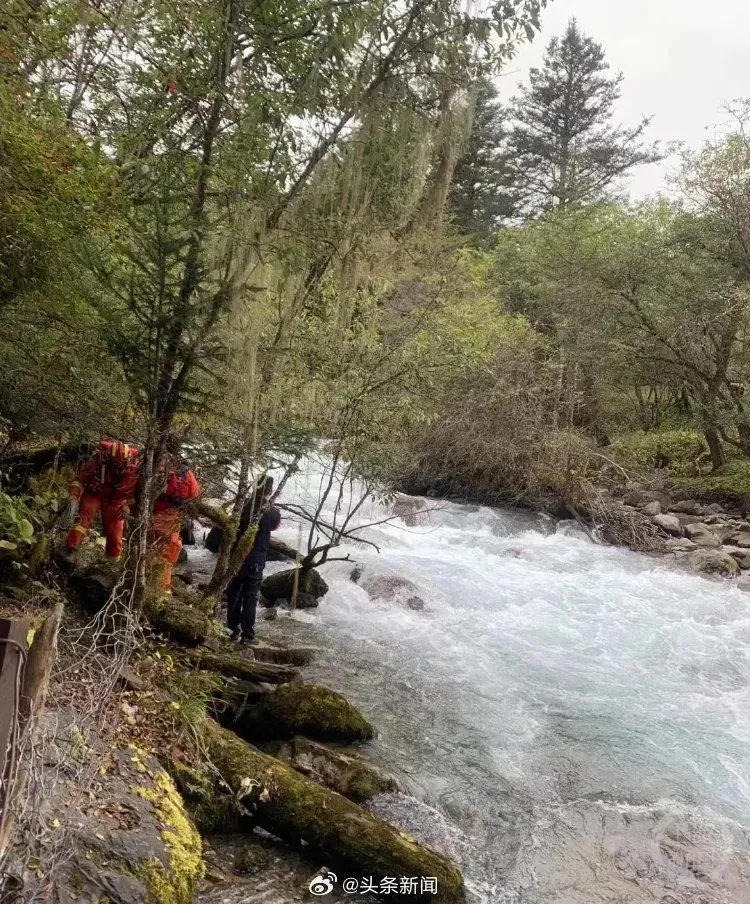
[{"x": 242, "y": 601}]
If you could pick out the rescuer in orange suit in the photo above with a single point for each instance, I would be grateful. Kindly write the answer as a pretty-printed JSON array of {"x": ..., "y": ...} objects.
[
  {"x": 164, "y": 536},
  {"x": 106, "y": 483}
]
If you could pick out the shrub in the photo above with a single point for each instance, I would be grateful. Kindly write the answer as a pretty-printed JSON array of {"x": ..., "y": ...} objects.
[
  {"x": 681, "y": 448},
  {"x": 16, "y": 524}
]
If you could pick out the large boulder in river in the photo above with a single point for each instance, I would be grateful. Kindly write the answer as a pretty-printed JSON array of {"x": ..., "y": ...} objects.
[
  {"x": 392, "y": 589},
  {"x": 713, "y": 561},
  {"x": 305, "y": 588},
  {"x": 305, "y": 709},
  {"x": 213, "y": 539}
]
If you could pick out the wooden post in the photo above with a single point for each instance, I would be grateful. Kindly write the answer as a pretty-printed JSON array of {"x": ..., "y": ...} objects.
[{"x": 22, "y": 694}]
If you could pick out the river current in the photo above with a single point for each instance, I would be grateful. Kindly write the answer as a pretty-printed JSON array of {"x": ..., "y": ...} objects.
[{"x": 571, "y": 721}]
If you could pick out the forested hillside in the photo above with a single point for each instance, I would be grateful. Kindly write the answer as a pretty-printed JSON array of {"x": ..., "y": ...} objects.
[{"x": 234, "y": 234}]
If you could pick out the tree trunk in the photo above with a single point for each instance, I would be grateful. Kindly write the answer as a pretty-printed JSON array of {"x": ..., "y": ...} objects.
[
  {"x": 715, "y": 447},
  {"x": 289, "y": 805}
]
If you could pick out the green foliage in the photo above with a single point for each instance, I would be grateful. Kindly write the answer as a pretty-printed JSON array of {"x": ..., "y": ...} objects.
[
  {"x": 563, "y": 149},
  {"x": 731, "y": 481},
  {"x": 682, "y": 449},
  {"x": 16, "y": 524}
]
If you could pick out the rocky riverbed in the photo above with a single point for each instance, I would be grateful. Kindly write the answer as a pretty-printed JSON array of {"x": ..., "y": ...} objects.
[{"x": 705, "y": 538}]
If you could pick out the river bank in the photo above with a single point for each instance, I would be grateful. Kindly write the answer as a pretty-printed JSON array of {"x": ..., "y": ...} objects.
[{"x": 704, "y": 532}]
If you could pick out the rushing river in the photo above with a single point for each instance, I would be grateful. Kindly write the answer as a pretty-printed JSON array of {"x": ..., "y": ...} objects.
[{"x": 572, "y": 721}]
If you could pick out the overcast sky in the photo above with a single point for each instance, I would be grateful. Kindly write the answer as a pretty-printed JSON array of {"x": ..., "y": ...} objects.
[{"x": 682, "y": 60}]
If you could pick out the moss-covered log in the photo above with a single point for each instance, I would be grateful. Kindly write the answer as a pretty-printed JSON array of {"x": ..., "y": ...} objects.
[
  {"x": 284, "y": 655},
  {"x": 230, "y": 666},
  {"x": 346, "y": 773},
  {"x": 278, "y": 551},
  {"x": 286, "y": 803}
]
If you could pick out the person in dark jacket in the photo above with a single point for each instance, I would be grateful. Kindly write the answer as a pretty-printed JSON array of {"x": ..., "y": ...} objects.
[{"x": 244, "y": 588}]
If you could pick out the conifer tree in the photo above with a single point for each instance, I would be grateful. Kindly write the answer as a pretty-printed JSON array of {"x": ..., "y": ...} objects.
[
  {"x": 564, "y": 148},
  {"x": 479, "y": 196}
]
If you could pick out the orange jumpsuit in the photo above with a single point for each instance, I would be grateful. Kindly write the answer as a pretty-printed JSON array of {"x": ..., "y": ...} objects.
[
  {"x": 104, "y": 484},
  {"x": 164, "y": 535}
]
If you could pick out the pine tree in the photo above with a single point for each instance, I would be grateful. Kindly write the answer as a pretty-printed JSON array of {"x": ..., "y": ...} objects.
[
  {"x": 479, "y": 197},
  {"x": 564, "y": 148}
]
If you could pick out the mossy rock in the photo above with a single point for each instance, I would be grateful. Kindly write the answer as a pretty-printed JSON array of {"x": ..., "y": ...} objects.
[
  {"x": 281, "y": 586},
  {"x": 278, "y": 551},
  {"x": 232, "y": 665},
  {"x": 210, "y": 807},
  {"x": 252, "y": 859},
  {"x": 179, "y": 620},
  {"x": 307, "y": 709},
  {"x": 132, "y": 837}
]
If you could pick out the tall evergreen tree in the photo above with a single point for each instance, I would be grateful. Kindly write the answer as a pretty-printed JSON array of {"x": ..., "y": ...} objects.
[
  {"x": 479, "y": 195},
  {"x": 564, "y": 148}
]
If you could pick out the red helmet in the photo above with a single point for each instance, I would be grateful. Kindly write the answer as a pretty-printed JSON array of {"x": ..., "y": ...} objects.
[{"x": 117, "y": 451}]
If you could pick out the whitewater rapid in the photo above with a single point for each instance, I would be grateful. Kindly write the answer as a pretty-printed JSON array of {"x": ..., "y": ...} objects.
[{"x": 572, "y": 721}]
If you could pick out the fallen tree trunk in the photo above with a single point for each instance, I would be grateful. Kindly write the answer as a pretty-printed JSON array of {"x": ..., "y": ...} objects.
[
  {"x": 286, "y": 803},
  {"x": 236, "y": 667}
]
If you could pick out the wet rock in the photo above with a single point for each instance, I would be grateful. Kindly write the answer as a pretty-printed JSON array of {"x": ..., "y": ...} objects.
[
  {"x": 638, "y": 497},
  {"x": 252, "y": 859},
  {"x": 271, "y": 614},
  {"x": 408, "y": 508},
  {"x": 347, "y": 774},
  {"x": 670, "y": 524},
  {"x": 687, "y": 507},
  {"x": 392, "y": 588},
  {"x": 741, "y": 556},
  {"x": 702, "y": 535},
  {"x": 307, "y": 709},
  {"x": 212, "y": 540},
  {"x": 293, "y": 583},
  {"x": 680, "y": 546},
  {"x": 652, "y": 508},
  {"x": 740, "y": 538},
  {"x": 187, "y": 532},
  {"x": 713, "y": 561}
]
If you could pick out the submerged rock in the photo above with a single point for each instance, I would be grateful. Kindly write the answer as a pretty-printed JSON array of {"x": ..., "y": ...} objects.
[{"x": 392, "y": 588}]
